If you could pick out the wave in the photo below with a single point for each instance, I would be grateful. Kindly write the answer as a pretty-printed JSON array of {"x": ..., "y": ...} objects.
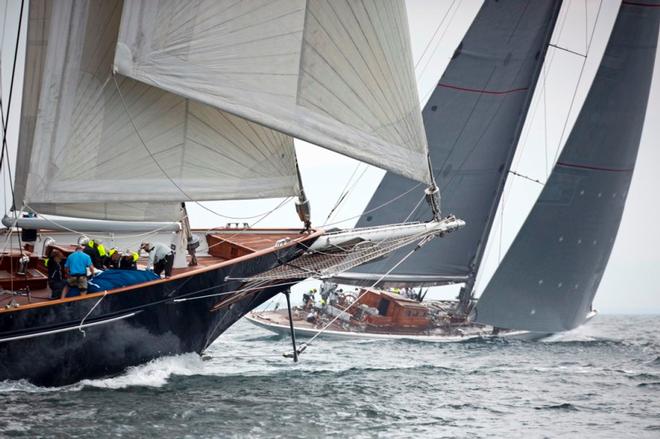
[
  {"x": 24, "y": 386},
  {"x": 594, "y": 342},
  {"x": 155, "y": 373},
  {"x": 565, "y": 406}
]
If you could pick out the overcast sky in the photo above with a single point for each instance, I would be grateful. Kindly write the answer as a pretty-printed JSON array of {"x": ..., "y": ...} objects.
[{"x": 631, "y": 282}]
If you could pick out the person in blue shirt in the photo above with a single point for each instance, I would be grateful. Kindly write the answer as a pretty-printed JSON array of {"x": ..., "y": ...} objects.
[{"x": 76, "y": 266}]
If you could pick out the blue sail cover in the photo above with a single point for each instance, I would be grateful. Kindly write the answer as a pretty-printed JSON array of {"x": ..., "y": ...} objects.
[
  {"x": 473, "y": 122},
  {"x": 111, "y": 279},
  {"x": 550, "y": 275}
]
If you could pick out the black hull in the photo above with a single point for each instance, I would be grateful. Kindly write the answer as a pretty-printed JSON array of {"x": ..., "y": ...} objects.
[{"x": 45, "y": 346}]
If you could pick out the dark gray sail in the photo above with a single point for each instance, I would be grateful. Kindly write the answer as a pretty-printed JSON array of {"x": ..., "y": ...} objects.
[
  {"x": 549, "y": 276},
  {"x": 473, "y": 122}
]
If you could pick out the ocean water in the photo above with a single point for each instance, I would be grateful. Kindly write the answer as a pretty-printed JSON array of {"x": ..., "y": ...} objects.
[{"x": 601, "y": 380}]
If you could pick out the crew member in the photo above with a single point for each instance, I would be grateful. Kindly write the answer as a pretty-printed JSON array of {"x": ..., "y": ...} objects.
[
  {"x": 161, "y": 258},
  {"x": 308, "y": 298},
  {"x": 128, "y": 260},
  {"x": 112, "y": 259},
  {"x": 55, "y": 265},
  {"x": 76, "y": 266},
  {"x": 95, "y": 250}
]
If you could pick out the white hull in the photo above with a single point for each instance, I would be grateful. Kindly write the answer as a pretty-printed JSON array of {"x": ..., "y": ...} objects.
[{"x": 330, "y": 334}]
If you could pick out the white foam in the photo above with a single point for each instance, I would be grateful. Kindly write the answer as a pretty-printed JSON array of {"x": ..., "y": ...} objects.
[
  {"x": 24, "y": 386},
  {"x": 156, "y": 373},
  {"x": 581, "y": 333}
]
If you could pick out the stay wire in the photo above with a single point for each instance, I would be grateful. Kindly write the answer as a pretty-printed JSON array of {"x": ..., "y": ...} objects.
[{"x": 437, "y": 29}]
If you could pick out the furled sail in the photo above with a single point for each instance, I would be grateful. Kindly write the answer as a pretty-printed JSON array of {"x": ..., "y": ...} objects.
[
  {"x": 117, "y": 148},
  {"x": 548, "y": 278},
  {"x": 335, "y": 73},
  {"x": 473, "y": 121}
]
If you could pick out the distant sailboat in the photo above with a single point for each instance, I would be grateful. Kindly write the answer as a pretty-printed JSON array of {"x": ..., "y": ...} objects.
[
  {"x": 132, "y": 108},
  {"x": 547, "y": 281}
]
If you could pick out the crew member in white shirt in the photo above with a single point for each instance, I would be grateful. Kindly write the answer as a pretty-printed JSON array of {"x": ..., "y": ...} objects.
[{"x": 161, "y": 258}]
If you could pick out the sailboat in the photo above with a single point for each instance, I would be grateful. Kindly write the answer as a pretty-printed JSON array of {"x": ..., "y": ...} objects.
[
  {"x": 132, "y": 109},
  {"x": 547, "y": 280}
]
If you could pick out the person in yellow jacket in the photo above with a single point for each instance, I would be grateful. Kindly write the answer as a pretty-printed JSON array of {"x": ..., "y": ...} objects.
[
  {"x": 128, "y": 260},
  {"x": 95, "y": 250},
  {"x": 123, "y": 261}
]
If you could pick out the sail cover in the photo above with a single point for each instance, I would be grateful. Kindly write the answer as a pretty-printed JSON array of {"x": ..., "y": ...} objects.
[
  {"x": 549, "y": 276},
  {"x": 473, "y": 121},
  {"x": 335, "y": 73},
  {"x": 118, "y": 148}
]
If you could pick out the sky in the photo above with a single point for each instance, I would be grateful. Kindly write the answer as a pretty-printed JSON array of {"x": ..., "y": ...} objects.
[{"x": 631, "y": 283}]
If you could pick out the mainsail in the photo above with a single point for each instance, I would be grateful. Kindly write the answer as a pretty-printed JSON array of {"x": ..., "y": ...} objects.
[
  {"x": 335, "y": 73},
  {"x": 548, "y": 278},
  {"x": 473, "y": 121},
  {"x": 204, "y": 98},
  {"x": 99, "y": 146}
]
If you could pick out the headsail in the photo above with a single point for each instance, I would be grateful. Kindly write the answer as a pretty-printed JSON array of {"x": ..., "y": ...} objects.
[
  {"x": 335, "y": 73},
  {"x": 548, "y": 278},
  {"x": 473, "y": 121},
  {"x": 125, "y": 149}
]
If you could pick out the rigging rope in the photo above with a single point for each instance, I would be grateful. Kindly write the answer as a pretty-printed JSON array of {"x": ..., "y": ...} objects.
[
  {"x": 428, "y": 94},
  {"x": 11, "y": 91},
  {"x": 437, "y": 29},
  {"x": 82, "y": 322},
  {"x": 346, "y": 191},
  {"x": 380, "y": 206}
]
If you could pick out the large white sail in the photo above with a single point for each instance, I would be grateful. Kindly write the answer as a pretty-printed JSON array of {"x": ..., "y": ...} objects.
[
  {"x": 336, "y": 73},
  {"x": 113, "y": 147}
]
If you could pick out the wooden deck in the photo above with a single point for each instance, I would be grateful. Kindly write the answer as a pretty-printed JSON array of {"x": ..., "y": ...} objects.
[{"x": 224, "y": 245}]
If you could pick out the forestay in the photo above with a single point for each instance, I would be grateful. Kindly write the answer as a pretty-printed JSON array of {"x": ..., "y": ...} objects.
[
  {"x": 126, "y": 150},
  {"x": 335, "y": 73},
  {"x": 473, "y": 122},
  {"x": 549, "y": 276}
]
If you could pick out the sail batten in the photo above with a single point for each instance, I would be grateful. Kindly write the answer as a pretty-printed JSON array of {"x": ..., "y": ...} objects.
[
  {"x": 337, "y": 74},
  {"x": 549, "y": 277},
  {"x": 473, "y": 121}
]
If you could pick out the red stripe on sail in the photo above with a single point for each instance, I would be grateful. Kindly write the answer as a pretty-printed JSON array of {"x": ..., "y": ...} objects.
[
  {"x": 488, "y": 92},
  {"x": 593, "y": 168}
]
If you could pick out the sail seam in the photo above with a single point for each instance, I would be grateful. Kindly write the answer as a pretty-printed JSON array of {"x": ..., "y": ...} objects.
[{"x": 640, "y": 4}]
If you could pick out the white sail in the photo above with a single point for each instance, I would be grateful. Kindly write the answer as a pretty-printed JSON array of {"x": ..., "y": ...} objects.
[
  {"x": 117, "y": 148},
  {"x": 336, "y": 73}
]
